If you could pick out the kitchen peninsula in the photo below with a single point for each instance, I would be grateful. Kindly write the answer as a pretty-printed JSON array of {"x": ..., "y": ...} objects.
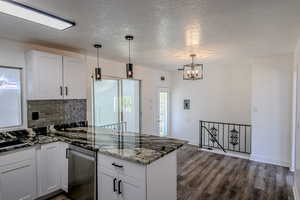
[{"x": 129, "y": 165}]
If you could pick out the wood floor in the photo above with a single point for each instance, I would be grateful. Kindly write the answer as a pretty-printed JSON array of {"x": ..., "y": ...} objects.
[{"x": 207, "y": 176}]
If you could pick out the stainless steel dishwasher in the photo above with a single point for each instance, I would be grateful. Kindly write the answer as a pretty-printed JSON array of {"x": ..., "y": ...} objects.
[{"x": 82, "y": 173}]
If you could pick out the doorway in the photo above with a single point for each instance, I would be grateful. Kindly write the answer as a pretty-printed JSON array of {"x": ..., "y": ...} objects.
[
  {"x": 163, "y": 111},
  {"x": 117, "y": 104}
]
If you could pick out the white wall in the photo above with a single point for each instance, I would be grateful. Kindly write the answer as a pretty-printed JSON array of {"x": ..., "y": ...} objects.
[
  {"x": 271, "y": 109},
  {"x": 296, "y": 133},
  {"x": 150, "y": 82},
  {"x": 224, "y": 95}
]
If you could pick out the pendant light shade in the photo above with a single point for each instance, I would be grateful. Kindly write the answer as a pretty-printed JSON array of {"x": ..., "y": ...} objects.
[
  {"x": 129, "y": 65},
  {"x": 98, "y": 73}
]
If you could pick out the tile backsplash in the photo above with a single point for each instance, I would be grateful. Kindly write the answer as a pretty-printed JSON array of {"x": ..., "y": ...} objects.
[{"x": 43, "y": 113}]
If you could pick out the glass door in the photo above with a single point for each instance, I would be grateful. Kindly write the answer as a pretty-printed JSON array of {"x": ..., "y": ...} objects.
[
  {"x": 131, "y": 104},
  {"x": 106, "y": 102},
  {"x": 163, "y": 111},
  {"x": 117, "y": 104}
]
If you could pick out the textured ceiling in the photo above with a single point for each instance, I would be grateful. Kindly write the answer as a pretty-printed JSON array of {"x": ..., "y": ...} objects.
[{"x": 167, "y": 31}]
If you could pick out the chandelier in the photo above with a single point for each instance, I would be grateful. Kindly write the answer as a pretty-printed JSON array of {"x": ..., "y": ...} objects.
[{"x": 192, "y": 71}]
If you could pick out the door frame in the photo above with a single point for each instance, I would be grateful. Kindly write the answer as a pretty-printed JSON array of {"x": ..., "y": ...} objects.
[{"x": 163, "y": 89}]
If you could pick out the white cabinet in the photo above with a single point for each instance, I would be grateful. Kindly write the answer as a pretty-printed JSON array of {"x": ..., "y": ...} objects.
[
  {"x": 51, "y": 76},
  {"x": 120, "y": 180},
  {"x": 123, "y": 180},
  {"x": 17, "y": 176},
  {"x": 75, "y": 78},
  {"x": 44, "y": 75},
  {"x": 107, "y": 184},
  {"x": 131, "y": 189},
  {"x": 49, "y": 165},
  {"x": 32, "y": 173},
  {"x": 64, "y": 166},
  {"x": 113, "y": 186}
]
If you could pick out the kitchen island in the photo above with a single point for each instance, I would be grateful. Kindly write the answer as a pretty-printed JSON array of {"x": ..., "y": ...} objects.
[{"x": 129, "y": 165}]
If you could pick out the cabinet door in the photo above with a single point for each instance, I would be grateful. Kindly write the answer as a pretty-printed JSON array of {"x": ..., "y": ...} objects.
[
  {"x": 47, "y": 69},
  {"x": 131, "y": 189},
  {"x": 64, "y": 166},
  {"x": 107, "y": 185},
  {"x": 17, "y": 181},
  {"x": 75, "y": 78},
  {"x": 49, "y": 169}
]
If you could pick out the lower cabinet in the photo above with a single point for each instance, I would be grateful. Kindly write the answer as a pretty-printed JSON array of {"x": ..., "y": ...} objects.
[
  {"x": 28, "y": 174},
  {"x": 52, "y": 170},
  {"x": 18, "y": 176},
  {"x": 48, "y": 168},
  {"x": 112, "y": 186},
  {"x": 107, "y": 184},
  {"x": 120, "y": 180},
  {"x": 131, "y": 189},
  {"x": 123, "y": 180}
]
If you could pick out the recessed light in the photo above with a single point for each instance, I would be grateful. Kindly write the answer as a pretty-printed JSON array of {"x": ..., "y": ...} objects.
[{"x": 34, "y": 15}]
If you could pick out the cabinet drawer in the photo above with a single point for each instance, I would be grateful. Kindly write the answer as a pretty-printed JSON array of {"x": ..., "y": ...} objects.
[
  {"x": 123, "y": 167},
  {"x": 17, "y": 156}
]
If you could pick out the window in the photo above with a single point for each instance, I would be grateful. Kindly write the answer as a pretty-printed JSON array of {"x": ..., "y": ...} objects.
[
  {"x": 163, "y": 112},
  {"x": 10, "y": 97}
]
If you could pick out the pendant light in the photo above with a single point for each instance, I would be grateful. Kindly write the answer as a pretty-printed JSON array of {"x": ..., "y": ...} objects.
[
  {"x": 98, "y": 75},
  {"x": 129, "y": 65}
]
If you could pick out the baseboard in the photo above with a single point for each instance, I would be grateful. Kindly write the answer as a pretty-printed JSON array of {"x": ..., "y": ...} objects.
[
  {"x": 252, "y": 157},
  {"x": 228, "y": 153},
  {"x": 267, "y": 160},
  {"x": 296, "y": 193}
]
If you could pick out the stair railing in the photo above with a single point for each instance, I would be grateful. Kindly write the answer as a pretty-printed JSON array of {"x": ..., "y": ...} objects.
[{"x": 225, "y": 136}]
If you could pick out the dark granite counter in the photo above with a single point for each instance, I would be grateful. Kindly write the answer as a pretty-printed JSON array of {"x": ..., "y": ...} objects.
[{"x": 138, "y": 148}]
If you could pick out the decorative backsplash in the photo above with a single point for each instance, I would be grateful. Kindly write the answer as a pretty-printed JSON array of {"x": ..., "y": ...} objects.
[{"x": 42, "y": 113}]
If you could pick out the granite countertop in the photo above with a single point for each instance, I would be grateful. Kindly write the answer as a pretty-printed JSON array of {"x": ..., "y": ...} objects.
[{"x": 138, "y": 148}]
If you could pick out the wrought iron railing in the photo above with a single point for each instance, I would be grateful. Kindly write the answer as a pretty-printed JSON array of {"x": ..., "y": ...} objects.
[
  {"x": 121, "y": 126},
  {"x": 225, "y": 136}
]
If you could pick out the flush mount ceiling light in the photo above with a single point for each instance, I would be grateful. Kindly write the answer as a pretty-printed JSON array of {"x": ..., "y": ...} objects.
[
  {"x": 129, "y": 65},
  {"x": 98, "y": 75},
  {"x": 34, "y": 15},
  {"x": 192, "y": 71}
]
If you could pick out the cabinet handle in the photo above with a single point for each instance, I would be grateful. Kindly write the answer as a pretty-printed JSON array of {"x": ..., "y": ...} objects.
[
  {"x": 116, "y": 165},
  {"x": 61, "y": 90},
  {"x": 66, "y": 90},
  {"x": 67, "y": 153},
  {"x": 114, "y": 184},
  {"x": 119, "y": 187}
]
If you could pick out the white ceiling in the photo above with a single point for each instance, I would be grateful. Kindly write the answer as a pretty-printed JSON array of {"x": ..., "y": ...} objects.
[{"x": 167, "y": 31}]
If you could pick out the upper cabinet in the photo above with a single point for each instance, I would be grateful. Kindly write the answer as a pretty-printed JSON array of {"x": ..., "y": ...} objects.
[
  {"x": 44, "y": 76},
  {"x": 51, "y": 76},
  {"x": 75, "y": 78}
]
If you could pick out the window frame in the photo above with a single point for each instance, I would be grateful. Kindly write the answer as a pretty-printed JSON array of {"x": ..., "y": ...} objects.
[{"x": 22, "y": 98}]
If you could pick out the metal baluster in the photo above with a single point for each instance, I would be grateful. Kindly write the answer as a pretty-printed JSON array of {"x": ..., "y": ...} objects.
[
  {"x": 239, "y": 138},
  {"x": 223, "y": 136},
  {"x": 228, "y": 137}
]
